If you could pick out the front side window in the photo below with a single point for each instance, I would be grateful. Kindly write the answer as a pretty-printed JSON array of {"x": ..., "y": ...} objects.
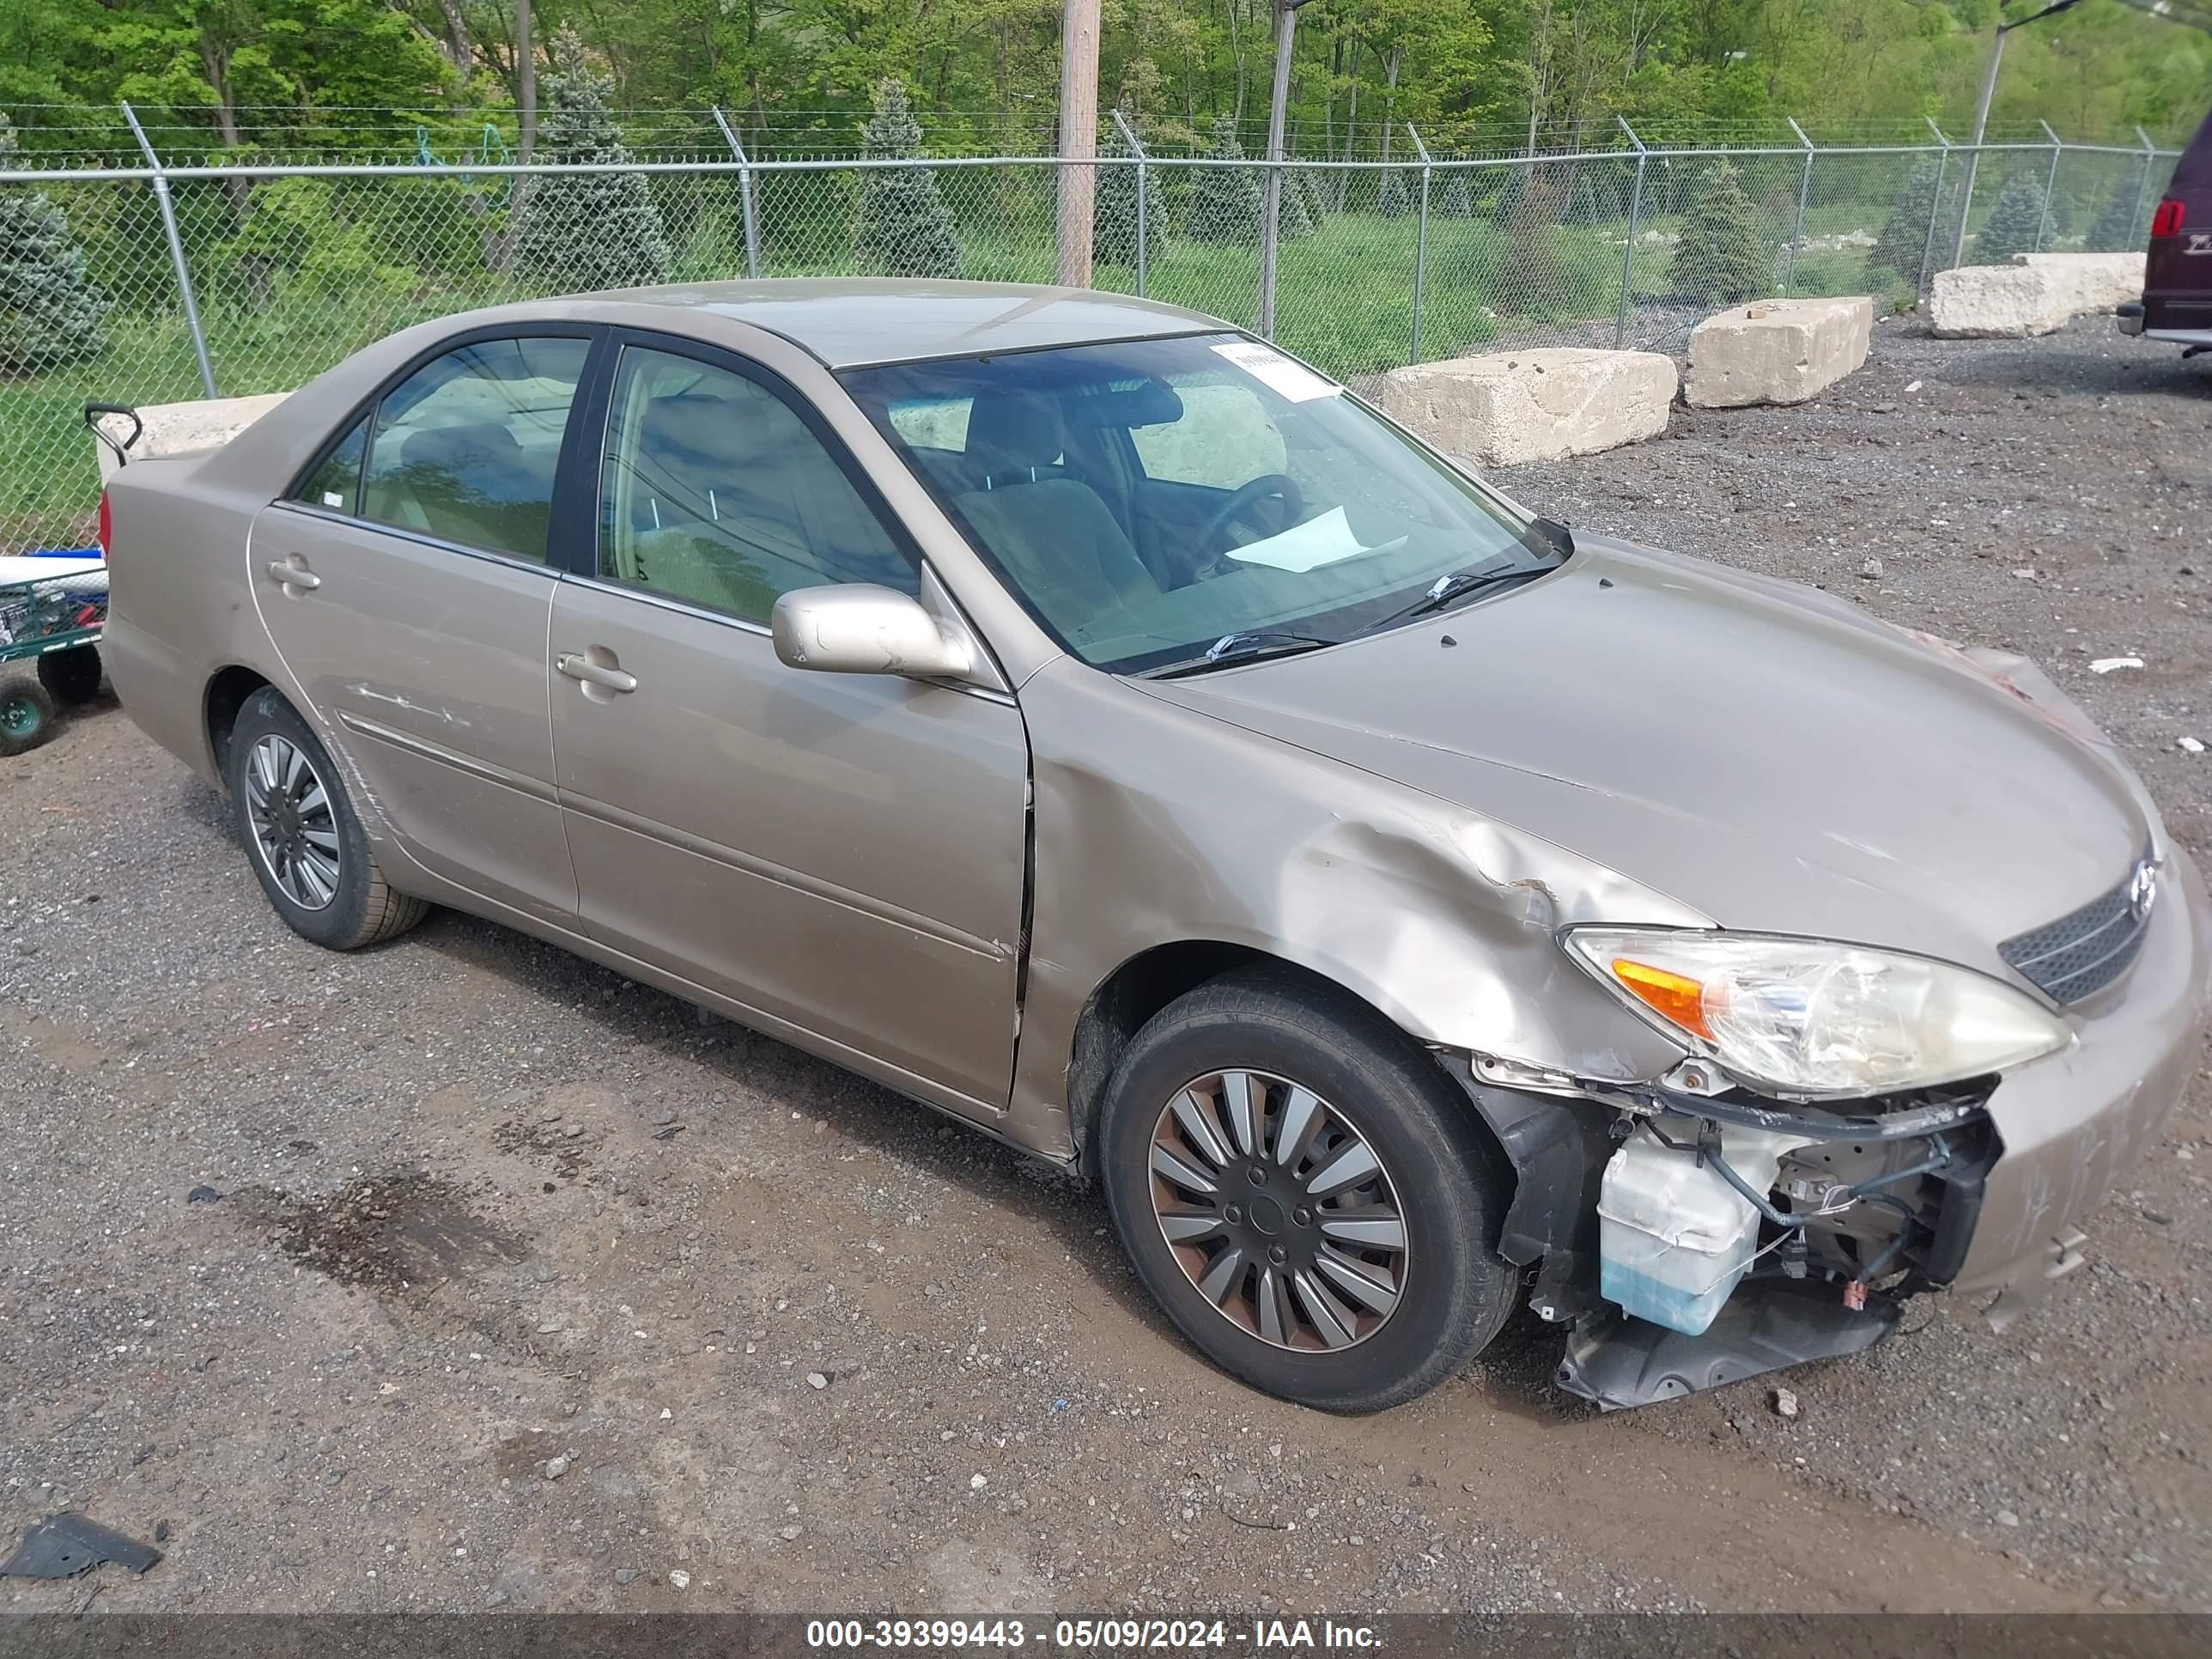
[
  {"x": 466, "y": 447},
  {"x": 714, "y": 491},
  {"x": 1148, "y": 500}
]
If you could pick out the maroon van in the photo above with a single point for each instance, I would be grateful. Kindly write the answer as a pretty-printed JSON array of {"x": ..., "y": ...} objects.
[{"x": 2177, "y": 301}]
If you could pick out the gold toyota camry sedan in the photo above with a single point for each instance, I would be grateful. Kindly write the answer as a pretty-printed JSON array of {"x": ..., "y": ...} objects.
[{"x": 1090, "y": 722}]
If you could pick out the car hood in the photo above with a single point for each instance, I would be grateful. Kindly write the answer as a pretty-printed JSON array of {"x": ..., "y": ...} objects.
[{"x": 1759, "y": 751}]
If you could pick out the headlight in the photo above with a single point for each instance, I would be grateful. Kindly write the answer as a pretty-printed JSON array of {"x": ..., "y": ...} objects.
[{"x": 1811, "y": 1017}]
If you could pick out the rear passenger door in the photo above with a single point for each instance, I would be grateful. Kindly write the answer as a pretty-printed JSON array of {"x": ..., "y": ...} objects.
[
  {"x": 842, "y": 853},
  {"x": 407, "y": 582}
]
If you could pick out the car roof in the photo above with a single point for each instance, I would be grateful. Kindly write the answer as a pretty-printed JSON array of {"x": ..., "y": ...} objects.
[{"x": 847, "y": 321}]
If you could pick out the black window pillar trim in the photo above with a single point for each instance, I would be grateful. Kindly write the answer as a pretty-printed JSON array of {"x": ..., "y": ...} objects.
[{"x": 572, "y": 538}]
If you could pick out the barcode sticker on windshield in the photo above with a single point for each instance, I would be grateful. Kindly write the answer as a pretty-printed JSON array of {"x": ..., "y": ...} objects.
[{"x": 1276, "y": 371}]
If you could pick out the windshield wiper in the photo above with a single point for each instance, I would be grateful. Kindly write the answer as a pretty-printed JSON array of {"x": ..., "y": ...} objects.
[
  {"x": 1543, "y": 535},
  {"x": 1239, "y": 648}
]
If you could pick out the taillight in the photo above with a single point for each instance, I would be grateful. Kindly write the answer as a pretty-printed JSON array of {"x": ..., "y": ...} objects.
[
  {"x": 2167, "y": 221},
  {"x": 106, "y": 525}
]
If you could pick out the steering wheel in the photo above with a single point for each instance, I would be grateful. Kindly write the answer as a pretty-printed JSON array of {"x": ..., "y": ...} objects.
[{"x": 1268, "y": 485}]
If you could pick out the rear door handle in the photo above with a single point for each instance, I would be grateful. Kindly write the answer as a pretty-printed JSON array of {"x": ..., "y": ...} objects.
[
  {"x": 605, "y": 674},
  {"x": 289, "y": 572}
]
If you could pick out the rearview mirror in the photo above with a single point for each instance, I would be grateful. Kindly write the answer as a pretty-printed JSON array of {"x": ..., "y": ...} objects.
[{"x": 859, "y": 628}]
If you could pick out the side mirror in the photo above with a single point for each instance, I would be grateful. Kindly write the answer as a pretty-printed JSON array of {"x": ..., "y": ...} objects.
[{"x": 859, "y": 628}]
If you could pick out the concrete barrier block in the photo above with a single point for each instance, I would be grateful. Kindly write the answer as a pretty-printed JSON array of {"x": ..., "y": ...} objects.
[
  {"x": 179, "y": 428},
  {"x": 1998, "y": 302},
  {"x": 1507, "y": 407},
  {"x": 1777, "y": 351},
  {"x": 2090, "y": 282}
]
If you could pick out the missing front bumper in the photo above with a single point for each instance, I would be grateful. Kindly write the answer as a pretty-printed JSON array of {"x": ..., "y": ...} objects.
[{"x": 1768, "y": 1325}]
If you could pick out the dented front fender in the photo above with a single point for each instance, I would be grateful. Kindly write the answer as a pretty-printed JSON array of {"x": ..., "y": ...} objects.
[{"x": 1157, "y": 823}]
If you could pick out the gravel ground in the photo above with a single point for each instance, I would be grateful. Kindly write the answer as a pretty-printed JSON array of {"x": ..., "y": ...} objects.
[{"x": 459, "y": 1273}]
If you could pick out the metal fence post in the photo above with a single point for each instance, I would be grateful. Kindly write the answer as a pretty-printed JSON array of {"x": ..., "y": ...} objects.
[
  {"x": 1934, "y": 209},
  {"x": 2143, "y": 185},
  {"x": 1804, "y": 189},
  {"x": 1129, "y": 138},
  {"x": 176, "y": 253},
  {"x": 1420, "y": 243},
  {"x": 744, "y": 192},
  {"x": 2050, "y": 183},
  {"x": 1628, "y": 255}
]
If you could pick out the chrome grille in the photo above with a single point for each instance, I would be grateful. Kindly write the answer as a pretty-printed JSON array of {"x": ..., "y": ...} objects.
[{"x": 2086, "y": 950}]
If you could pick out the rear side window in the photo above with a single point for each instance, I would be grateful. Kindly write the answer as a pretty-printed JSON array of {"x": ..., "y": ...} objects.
[
  {"x": 337, "y": 482},
  {"x": 466, "y": 447}
]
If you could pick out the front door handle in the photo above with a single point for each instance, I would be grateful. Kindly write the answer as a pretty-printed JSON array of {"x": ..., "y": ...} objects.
[
  {"x": 291, "y": 574},
  {"x": 607, "y": 674}
]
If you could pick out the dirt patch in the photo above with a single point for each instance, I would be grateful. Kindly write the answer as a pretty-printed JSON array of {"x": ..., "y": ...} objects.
[
  {"x": 401, "y": 1231},
  {"x": 551, "y": 1141}
]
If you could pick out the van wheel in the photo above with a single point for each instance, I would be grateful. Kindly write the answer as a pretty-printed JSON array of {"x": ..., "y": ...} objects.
[
  {"x": 301, "y": 835},
  {"x": 28, "y": 715},
  {"x": 1301, "y": 1190}
]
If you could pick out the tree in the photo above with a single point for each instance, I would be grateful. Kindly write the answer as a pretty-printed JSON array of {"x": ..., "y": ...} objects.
[
  {"x": 1534, "y": 274},
  {"x": 1902, "y": 247},
  {"x": 1456, "y": 199},
  {"x": 1113, "y": 212},
  {"x": 1392, "y": 199},
  {"x": 1225, "y": 200},
  {"x": 585, "y": 231},
  {"x": 2118, "y": 230},
  {"x": 903, "y": 228},
  {"x": 2014, "y": 224},
  {"x": 50, "y": 312},
  {"x": 1725, "y": 255}
]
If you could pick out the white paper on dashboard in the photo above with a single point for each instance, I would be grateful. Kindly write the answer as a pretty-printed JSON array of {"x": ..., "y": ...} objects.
[
  {"x": 1278, "y": 373},
  {"x": 1319, "y": 541}
]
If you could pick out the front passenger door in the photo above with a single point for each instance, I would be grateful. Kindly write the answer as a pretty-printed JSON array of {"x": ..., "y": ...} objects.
[{"x": 842, "y": 853}]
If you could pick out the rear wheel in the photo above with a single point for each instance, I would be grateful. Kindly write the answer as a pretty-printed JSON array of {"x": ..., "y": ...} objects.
[
  {"x": 28, "y": 715},
  {"x": 1298, "y": 1186},
  {"x": 73, "y": 676},
  {"x": 301, "y": 834}
]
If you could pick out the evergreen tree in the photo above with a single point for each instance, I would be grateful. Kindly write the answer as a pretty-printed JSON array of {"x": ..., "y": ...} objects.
[
  {"x": 1725, "y": 255},
  {"x": 2118, "y": 230},
  {"x": 2014, "y": 223},
  {"x": 1535, "y": 263},
  {"x": 50, "y": 312},
  {"x": 903, "y": 228},
  {"x": 1317, "y": 195},
  {"x": 1455, "y": 198},
  {"x": 1114, "y": 210},
  {"x": 585, "y": 231},
  {"x": 1225, "y": 200},
  {"x": 1902, "y": 247},
  {"x": 1392, "y": 199}
]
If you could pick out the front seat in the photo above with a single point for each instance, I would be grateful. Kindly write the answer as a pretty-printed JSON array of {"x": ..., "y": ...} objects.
[{"x": 1055, "y": 538}]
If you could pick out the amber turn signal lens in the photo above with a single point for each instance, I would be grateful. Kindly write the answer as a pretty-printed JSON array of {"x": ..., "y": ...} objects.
[{"x": 1680, "y": 998}]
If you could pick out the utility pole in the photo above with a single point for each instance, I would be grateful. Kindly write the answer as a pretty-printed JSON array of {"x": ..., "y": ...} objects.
[
  {"x": 1078, "y": 138},
  {"x": 1982, "y": 112},
  {"x": 526, "y": 81},
  {"x": 1270, "y": 206}
]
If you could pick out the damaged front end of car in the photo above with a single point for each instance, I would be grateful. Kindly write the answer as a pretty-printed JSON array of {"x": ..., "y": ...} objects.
[{"x": 1691, "y": 1233}]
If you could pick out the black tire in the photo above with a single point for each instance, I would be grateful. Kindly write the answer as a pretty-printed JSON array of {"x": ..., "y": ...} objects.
[
  {"x": 362, "y": 907},
  {"x": 28, "y": 714},
  {"x": 73, "y": 676},
  {"x": 1443, "y": 1179}
]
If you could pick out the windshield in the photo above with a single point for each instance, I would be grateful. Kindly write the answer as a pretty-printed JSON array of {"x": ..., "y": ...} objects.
[{"x": 1149, "y": 499}]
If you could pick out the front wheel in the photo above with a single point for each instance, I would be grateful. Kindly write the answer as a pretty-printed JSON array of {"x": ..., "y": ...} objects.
[
  {"x": 302, "y": 836},
  {"x": 1301, "y": 1190}
]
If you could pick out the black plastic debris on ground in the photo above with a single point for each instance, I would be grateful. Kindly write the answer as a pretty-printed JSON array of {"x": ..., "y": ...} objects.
[
  {"x": 65, "y": 1545},
  {"x": 202, "y": 1196}
]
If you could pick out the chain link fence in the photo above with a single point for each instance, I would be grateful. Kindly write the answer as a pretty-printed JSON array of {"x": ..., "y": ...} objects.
[{"x": 1390, "y": 246}]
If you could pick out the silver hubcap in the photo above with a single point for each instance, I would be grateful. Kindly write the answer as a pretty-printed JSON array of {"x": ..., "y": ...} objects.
[
  {"x": 1279, "y": 1210},
  {"x": 295, "y": 831}
]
